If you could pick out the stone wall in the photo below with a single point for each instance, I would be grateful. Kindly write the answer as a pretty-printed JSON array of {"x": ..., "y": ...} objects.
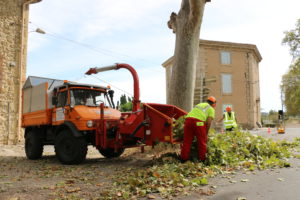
[{"x": 13, "y": 53}]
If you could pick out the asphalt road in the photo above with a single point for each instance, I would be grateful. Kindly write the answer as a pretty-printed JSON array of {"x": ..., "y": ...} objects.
[
  {"x": 291, "y": 132},
  {"x": 278, "y": 184}
]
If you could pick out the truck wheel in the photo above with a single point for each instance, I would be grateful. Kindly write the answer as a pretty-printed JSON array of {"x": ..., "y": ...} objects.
[
  {"x": 33, "y": 145},
  {"x": 69, "y": 149},
  {"x": 110, "y": 152}
]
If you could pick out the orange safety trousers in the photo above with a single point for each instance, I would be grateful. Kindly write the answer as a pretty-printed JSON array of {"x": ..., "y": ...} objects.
[{"x": 190, "y": 131}]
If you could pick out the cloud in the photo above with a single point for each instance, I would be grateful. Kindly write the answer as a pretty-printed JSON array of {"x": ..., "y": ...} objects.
[
  {"x": 96, "y": 21},
  {"x": 261, "y": 23},
  {"x": 152, "y": 87},
  {"x": 96, "y": 16},
  {"x": 135, "y": 31},
  {"x": 108, "y": 16}
]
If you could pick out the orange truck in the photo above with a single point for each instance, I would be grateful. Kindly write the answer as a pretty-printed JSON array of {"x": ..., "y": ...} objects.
[{"x": 72, "y": 115}]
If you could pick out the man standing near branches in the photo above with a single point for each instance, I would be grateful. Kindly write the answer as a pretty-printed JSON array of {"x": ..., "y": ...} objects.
[
  {"x": 197, "y": 123},
  {"x": 229, "y": 119}
]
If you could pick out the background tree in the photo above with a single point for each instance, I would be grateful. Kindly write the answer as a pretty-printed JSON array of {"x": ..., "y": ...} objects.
[
  {"x": 292, "y": 39},
  {"x": 186, "y": 25},
  {"x": 290, "y": 84},
  {"x": 123, "y": 99},
  {"x": 269, "y": 119},
  {"x": 124, "y": 104}
]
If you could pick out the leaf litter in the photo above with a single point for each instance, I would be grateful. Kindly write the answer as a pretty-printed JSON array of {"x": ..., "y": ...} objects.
[
  {"x": 163, "y": 176},
  {"x": 168, "y": 177}
]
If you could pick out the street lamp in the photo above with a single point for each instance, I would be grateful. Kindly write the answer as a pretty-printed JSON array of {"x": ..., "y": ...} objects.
[{"x": 38, "y": 30}]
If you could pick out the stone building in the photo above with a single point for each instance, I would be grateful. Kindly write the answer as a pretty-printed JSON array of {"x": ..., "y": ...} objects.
[
  {"x": 230, "y": 72},
  {"x": 13, "y": 53}
]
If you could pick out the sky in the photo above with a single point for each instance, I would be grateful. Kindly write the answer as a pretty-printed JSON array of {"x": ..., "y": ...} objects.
[{"x": 81, "y": 34}]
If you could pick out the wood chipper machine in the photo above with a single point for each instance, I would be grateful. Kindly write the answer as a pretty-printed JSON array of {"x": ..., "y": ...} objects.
[
  {"x": 147, "y": 124},
  {"x": 72, "y": 115}
]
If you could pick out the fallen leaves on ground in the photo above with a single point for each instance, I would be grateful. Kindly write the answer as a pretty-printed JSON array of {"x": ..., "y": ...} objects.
[
  {"x": 133, "y": 178},
  {"x": 168, "y": 177}
]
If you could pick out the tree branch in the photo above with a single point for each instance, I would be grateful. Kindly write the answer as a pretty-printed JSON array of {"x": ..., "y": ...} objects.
[
  {"x": 172, "y": 22},
  {"x": 196, "y": 9}
]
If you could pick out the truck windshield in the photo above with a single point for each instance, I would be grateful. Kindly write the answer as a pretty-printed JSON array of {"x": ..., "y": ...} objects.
[{"x": 87, "y": 97}]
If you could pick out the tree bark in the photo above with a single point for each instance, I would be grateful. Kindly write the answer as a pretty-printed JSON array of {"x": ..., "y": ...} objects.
[{"x": 186, "y": 25}]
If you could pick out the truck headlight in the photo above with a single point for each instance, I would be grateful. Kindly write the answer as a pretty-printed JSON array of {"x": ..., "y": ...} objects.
[{"x": 89, "y": 124}]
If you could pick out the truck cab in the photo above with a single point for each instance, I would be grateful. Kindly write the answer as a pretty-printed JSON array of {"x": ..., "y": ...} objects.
[{"x": 80, "y": 105}]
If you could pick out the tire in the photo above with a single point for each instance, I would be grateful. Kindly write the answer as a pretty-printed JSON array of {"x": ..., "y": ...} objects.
[
  {"x": 33, "y": 145},
  {"x": 110, "y": 152},
  {"x": 69, "y": 149}
]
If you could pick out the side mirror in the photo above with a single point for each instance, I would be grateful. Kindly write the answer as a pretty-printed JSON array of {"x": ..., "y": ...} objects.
[
  {"x": 111, "y": 93},
  {"x": 54, "y": 100}
]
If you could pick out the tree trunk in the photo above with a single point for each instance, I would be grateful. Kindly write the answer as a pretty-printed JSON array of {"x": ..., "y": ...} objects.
[{"x": 186, "y": 25}]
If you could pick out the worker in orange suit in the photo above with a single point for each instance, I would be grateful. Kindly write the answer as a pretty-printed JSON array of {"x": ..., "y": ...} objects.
[{"x": 197, "y": 123}]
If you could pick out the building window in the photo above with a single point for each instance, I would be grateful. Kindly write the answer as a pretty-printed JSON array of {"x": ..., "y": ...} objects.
[
  {"x": 225, "y": 58},
  {"x": 226, "y": 83}
]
